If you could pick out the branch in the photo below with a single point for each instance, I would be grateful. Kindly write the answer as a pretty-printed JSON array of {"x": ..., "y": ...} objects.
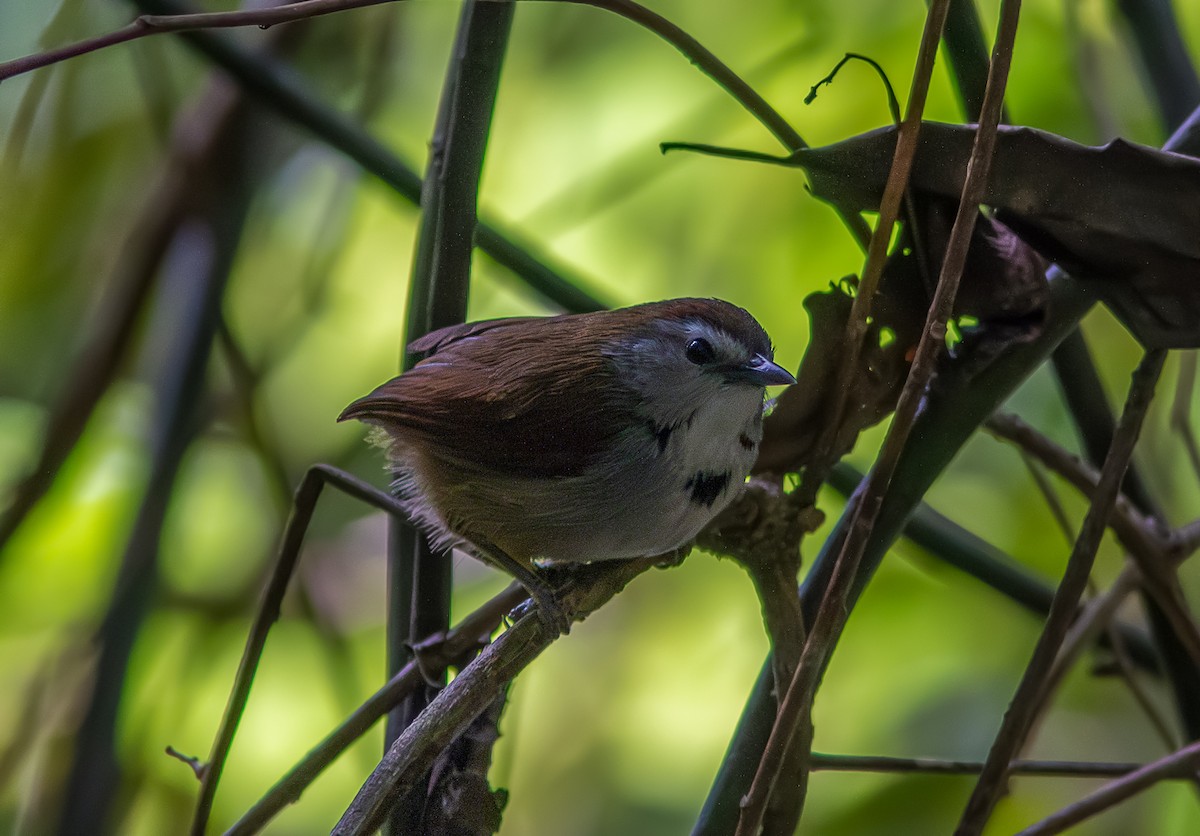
[
  {"x": 1150, "y": 550},
  {"x": 146, "y": 25},
  {"x": 834, "y": 609},
  {"x": 1020, "y": 715},
  {"x": 937, "y": 766},
  {"x": 474, "y": 689},
  {"x": 908, "y": 135},
  {"x": 1133, "y": 530},
  {"x": 304, "y": 504},
  {"x": 464, "y": 638},
  {"x": 1176, "y": 765}
]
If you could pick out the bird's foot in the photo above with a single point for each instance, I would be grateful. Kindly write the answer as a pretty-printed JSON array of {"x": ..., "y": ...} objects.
[
  {"x": 671, "y": 559},
  {"x": 544, "y": 602}
]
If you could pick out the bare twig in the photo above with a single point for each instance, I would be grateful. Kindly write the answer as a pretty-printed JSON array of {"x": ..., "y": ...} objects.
[
  {"x": 872, "y": 272},
  {"x": 893, "y": 102},
  {"x": 146, "y": 25},
  {"x": 1176, "y": 765},
  {"x": 708, "y": 63},
  {"x": 467, "y": 636},
  {"x": 268, "y": 612},
  {"x": 727, "y": 79},
  {"x": 1021, "y": 711},
  {"x": 473, "y": 690},
  {"x": 1129, "y": 676},
  {"x": 1090, "y": 621},
  {"x": 938, "y": 766},
  {"x": 1133, "y": 529},
  {"x": 210, "y": 127},
  {"x": 1184, "y": 541},
  {"x": 1053, "y": 501},
  {"x": 1181, "y": 408},
  {"x": 833, "y": 610},
  {"x": 194, "y": 763},
  {"x": 1097, "y": 618},
  {"x": 197, "y": 261},
  {"x": 1149, "y": 548}
]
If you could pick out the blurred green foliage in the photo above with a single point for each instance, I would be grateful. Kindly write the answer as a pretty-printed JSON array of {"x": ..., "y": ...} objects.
[{"x": 619, "y": 728}]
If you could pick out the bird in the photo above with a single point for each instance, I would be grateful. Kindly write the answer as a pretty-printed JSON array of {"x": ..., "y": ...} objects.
[{"x": 575, "y": 438}]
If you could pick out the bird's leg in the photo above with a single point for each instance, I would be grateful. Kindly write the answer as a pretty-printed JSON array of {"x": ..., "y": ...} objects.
[
  {"x": 543, "y": 594},
  {"x": 671, "y": 559}
]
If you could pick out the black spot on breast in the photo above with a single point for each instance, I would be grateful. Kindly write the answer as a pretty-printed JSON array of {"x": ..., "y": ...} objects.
[
  {"x": 707, "y": 487},
  {"x": 661, "y": 433},
  {"x": 746, "y": 441}
]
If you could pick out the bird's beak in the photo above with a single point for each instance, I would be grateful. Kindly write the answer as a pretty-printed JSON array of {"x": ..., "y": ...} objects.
[{"x": 762, "y": 372}]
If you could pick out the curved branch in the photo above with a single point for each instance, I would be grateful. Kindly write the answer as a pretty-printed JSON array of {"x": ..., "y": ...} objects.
[{"x": 146, "y": 25}]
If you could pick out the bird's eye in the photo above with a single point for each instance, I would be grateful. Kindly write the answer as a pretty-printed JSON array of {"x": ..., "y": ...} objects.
[{"x": 700, "y": 351}]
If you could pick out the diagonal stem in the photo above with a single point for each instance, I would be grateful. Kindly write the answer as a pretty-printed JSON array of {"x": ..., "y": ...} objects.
[
  {"x": 1020, "y": 715},
  {"x": 304, "y": 504},
  {"x": 872, "y": 274},
  {"x": 474, "y": 690},
  {"x": 831, "y": 616},
  {"x": 464, "y": 638},
  {"x": 1174, "y": 765}
]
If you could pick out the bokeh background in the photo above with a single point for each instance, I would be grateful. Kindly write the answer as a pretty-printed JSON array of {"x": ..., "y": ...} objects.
[{"x": 620, "y": 727}]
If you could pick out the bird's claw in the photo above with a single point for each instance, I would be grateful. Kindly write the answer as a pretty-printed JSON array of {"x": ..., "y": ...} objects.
[{"x": 548, "y": 610}]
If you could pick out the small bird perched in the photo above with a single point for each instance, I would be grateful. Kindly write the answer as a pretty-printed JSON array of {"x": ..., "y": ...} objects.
[{"x": 574, "y": 438}]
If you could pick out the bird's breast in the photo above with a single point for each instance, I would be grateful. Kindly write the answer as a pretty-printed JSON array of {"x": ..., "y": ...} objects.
[
  {"x": 651, "y": 492},
  {"x": 670, "y": 478}
]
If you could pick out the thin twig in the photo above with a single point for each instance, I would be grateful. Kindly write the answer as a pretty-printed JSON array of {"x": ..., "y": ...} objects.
[
  {"x": 893, "y": 102},
  {"x": 268, "y": 612},
  {"x": 706, "y": 62},
  {"x": 1181, "y": 408},
  {"x": 209, "y": 127},
  {"x": 198, "y": 262},
  {"x": 146, "y": 25},
  {"x": 473, "y": 690},
  {"x": 1020, "y": 714},
  {"x": 727, "y": 79},
  {"x": 1090, "y": 621},
  {"x": 938, "y": 766},
  {"x": 1149, "y": 548},
  {"x": 1130, "y": 677},
  {"x": 959, "y": 548},
  {"x": 872, "y": 272},
  {"x": 1133, "y": 529},
  {"x": 1175, "y": 765},
  {"x": 833, "y": 610},
  {"x": 463, "y": 638},
  {"x": 1097, "y": 614},
  {"x": 194, "y": 763},
  {"x": 702, "y": 58},
  {"x": 1184, "y": 541},
  {"x": 280, "y": 91},
  {"x": 1053, "y": 501},
  {"x": 1096, "y": 619}
]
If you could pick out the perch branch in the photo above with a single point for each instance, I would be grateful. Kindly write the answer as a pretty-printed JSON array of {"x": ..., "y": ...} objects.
[
  {"x": 435, "y": 655},
  {"x": 473, "y": 690}
]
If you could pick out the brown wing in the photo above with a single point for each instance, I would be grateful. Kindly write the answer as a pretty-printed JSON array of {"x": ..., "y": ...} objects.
[
  {"x": 435, "y": 341},
  {"x": 518, "y": 396}
]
